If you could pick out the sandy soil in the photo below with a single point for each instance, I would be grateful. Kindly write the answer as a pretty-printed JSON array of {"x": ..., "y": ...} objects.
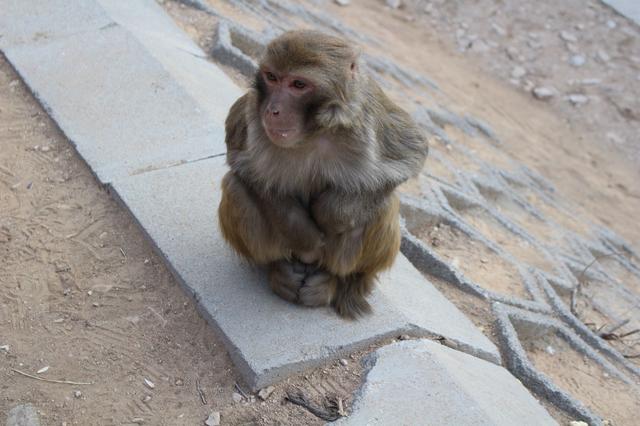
[
  {"x": 582, "y": 378},
  {"x": 475, "y": 260},
  {"x": 531, "y": 44},
  {"x": 83, "y": 294}
]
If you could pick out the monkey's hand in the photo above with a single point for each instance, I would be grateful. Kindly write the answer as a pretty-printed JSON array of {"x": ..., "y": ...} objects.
[
  {"x": 292, "y": 220},
  {"x": 337, "y": 212}
]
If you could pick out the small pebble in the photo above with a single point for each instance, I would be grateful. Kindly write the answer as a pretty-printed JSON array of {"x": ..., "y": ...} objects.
[
  {"x": 613, "y": 138},
  {"x": 394, "y": 4},
  {"x": 4, "y": 348},
  {"x": 43, "y": 370},
  {"x": 344, "y": 362},
  {"x": 236, "y": 397},
  {"x": 603, "y": 56},
  {"x": 404, "y": 337},
  {"x": 342, "y": 2},
  {"x": 590, "y": 81},
  {"x": 567, "y": 36},
  {"x": 577, "y": 423},
  {"x": 578, "y": 99},
  {"x": 149, "y": 384},
  {"x": 498, "y": 29},
  {"x": 512, "y": 53},
  {"x": 572, "y": 48},
  {"x": 518, "y": 72},
  {"x": 543, "y": 93},
  {"x": 146, "y": 399},
  {"x": 577, "y": 60},
  {"x": 213, "y": 419},
  {"x": 77, "y": 394},
  {"x": 265, "y": 393}
]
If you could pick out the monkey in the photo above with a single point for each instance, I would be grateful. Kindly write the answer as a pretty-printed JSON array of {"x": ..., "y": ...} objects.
[{"x": 315, "y": 151}]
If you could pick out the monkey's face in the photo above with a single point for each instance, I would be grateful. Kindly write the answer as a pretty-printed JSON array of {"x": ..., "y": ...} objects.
[{"x": 284, "y": 97}]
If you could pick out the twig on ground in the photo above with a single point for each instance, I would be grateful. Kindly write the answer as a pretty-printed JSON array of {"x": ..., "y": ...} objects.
[
  {"x": 63, "y": 382},
  {"x": 629, "y": 333},
  {"x": 574, "y": 299},
  {"x": 576, "y": 291},
  {"x": 201, "y": 393},
  {"x": 330, "y": 412},
  {"x": 609, "y": 334},
  {"x": 242, "y": 392}
]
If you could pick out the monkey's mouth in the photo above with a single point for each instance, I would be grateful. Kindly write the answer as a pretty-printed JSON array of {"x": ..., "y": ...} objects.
[{"x": 282, "y": 137}]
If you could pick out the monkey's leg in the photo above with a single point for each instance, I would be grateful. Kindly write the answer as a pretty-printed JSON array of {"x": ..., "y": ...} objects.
[
  {"x": 302, "y": 283},
  {"x": 378, "y": 249},
  {"x": 245, "y": 227}
]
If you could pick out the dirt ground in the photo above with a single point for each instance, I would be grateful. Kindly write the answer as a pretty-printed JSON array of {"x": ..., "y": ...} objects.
[
  {"x": 83, "y": 294},
  {"x": 585, "y": 380}
]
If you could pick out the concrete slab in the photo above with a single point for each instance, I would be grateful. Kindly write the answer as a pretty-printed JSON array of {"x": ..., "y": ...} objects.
[
  {"x": 628, "y": 8},
  {"x": 424, "y": 383},
  {"x": 36, "y": 21},
  {"x": 267, "y": 337},
  {"x": 127, "y": 87}
]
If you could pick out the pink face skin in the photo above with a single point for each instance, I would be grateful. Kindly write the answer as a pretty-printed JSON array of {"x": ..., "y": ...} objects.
[{"x": 283, "y": 115}]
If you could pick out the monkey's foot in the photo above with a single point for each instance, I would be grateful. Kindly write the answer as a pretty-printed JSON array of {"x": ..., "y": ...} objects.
[
  {"x": 350, "y": 298},
  {"x": 302, "y": 283}
]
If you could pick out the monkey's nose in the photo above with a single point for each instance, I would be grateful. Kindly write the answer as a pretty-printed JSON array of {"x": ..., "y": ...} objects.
[{"x": 275, "y": 112}]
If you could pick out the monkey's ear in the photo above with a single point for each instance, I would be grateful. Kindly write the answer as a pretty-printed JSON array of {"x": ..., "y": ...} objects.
[
  {"x": 354, "y": 65},
  {"x": 335, "y": 115},
  {"x": 353, "y": 69}
]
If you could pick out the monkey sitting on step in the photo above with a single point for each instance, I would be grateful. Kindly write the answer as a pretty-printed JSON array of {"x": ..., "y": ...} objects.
[{"x": 316, "y": 150}]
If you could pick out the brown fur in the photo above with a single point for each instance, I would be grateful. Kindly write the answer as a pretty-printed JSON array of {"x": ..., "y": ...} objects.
[{"x": 318, "y": 208}]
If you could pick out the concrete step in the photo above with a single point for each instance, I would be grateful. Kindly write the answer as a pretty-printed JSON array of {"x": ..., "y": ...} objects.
[
  {"x": 424, "y": 383},
  {"x": 129, "y": 89}
]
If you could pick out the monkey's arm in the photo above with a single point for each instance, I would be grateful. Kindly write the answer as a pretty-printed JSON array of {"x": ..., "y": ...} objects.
[
  {"x": 288, "y": 217},
  {"x": 236, "y": 130},
  {"x": 337, "y": 211},
  {"x": 292, "y": 220}
]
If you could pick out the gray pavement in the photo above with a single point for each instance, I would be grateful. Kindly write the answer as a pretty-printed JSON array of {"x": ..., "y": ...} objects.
[
  {"x": 124, "y": 83},
  {"x": 424, "y": 383},
  {"x": 628, "y": 8}
]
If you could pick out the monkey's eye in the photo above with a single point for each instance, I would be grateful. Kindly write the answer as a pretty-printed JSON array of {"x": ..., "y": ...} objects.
[
  {"x": 299, "y": 84},
  {"x": 270, "y": 76}
]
